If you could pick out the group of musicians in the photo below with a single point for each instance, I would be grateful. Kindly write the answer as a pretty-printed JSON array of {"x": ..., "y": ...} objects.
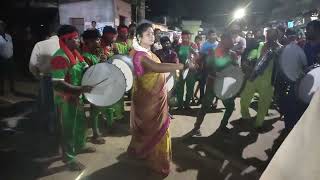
[
  {"x": 67, "y": 68},
  {"x": 205, "y": 63}
]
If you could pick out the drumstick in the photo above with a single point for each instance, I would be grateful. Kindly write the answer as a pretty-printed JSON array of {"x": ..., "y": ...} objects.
[{"x": 100, "y": 82}]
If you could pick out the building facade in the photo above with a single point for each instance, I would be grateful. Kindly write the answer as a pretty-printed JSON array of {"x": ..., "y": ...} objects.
[{"x": 104, "y": 12}]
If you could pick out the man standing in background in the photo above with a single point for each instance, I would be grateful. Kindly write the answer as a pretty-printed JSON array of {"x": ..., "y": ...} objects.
[
  {"x": 39, "y": 66},
  {"x": 240, "y": 44}
]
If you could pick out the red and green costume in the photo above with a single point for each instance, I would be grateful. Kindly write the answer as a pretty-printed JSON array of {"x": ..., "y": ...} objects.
[
  {"x": 95, "y": 111},
  {"x": 122, "y": 48},
  {"x": 217, "y": 60},
  {"x": 70, "y": 67},
  {"x": 184, "y": 52}
]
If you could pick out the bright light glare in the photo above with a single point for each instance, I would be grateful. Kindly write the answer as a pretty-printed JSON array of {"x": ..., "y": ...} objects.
[{"x": 239, "y": 14}]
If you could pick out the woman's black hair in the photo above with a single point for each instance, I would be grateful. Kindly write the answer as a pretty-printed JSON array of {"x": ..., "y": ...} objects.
[
  {"x": 142, "y": 28},
  {"x": 66, "y": 29}
]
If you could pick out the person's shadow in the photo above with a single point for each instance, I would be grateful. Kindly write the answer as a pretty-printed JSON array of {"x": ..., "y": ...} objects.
[{"x": 220, "y": 155}]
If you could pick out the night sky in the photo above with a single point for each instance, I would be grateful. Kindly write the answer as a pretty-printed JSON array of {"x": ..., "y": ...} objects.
[{"x": 213, "y": 10}]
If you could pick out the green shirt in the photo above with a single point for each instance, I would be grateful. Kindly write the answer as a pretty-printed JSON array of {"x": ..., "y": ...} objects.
[
  {"x": 123, "y": 47},
  {"x": 90, "y": 58}
]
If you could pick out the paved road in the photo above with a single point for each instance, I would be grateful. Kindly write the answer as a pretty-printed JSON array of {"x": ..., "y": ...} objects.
[{"x": 243, "y": 154}]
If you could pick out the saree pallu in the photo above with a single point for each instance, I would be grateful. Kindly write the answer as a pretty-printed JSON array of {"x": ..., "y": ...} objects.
[{"x": 149, "y": 118}]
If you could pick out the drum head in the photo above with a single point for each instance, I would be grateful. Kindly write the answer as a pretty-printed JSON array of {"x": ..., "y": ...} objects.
[
  {"x": 291, "y": 63},
  {"x": 228, "y": 83},
  {"x": 126, "y": 59},
  {"x": 109, "y": 84},
  {"x": 169, "y": 81},
  {"x": 308, "y": 85},
  {"x": 126, "y": 71}
]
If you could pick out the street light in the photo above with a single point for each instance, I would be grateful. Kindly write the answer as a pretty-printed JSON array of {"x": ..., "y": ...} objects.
[{"x": 239, "y": 13}]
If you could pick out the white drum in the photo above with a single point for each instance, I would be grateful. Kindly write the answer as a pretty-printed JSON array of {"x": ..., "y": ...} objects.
[
  {"x": 109, "y": 84},
  {"x": 308, "y": 85},
  {"x": 292, "y": 62},
  {"x": 228, "y": 82},
  {"x": 126, "y": 66},
  {"x": 126, "y": 59},
  {"x": 126, "y": 72}
]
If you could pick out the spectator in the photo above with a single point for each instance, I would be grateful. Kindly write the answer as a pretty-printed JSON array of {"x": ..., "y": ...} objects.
[
  {"x": 312, "y": 48},
  {"x": 39, "y": 66},
  {"x": 240, "y": 44},
  {"x": 157, "y": 45}
]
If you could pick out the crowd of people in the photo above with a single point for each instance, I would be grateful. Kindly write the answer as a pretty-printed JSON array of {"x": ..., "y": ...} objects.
[{"x": 60, "y": 62}]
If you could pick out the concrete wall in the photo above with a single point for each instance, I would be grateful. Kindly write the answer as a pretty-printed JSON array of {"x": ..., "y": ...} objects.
[
  {"x": 122, "y": 9},
  {"x": 192, "y": 26},
  {"x": 101, "y": 11}
]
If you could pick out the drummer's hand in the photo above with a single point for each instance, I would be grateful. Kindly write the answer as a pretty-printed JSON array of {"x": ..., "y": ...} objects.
[{"x": 86, "y": 89}]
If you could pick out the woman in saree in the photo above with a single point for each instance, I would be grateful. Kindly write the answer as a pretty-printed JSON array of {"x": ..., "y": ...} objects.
[{"x": 149, "y": 118}]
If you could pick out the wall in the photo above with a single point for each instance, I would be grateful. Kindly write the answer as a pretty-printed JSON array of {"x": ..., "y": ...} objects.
[
  {"x": 123, "y": 9},
  {"x": 192, "y": 26},
  {"x": 101, "y": 11}
]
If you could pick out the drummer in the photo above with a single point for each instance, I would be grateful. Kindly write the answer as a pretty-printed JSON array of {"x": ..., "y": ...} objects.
[
  {"x": 289, "y": 105},
  {"x": 109, "y": 36},
  {"x": 91, "y": 40},
  {"x": 186, "y": 50},
  {"x": 122, "y": 45},
  {"x": 217, "y": 59},
  {"x": 67, "y": 68},
  {"x": 262, "y": 84}
]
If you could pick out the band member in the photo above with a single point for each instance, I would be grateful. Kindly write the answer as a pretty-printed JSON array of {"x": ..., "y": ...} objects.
[
  {"x": 217, "y": 60},
  {"x": 186, "y": 51},
  {"x": 109, "y": 36},
  {"x": 122, "y": 48},
  {"x": 122, "y": 45},
  {"x": 261, "y": 84},
  {"x": 150, "y": 119},
  {"x": 67, "y": 69},
  {"x": 289, "y": 105},
  {"x": 92, "y": 43}
]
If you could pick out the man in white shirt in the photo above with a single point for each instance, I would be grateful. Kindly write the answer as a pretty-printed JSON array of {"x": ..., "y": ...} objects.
[
  {"x": 39, "y": 66},
  {"x": 41, "y": 56},
  {"x": 6, "y": 63}
]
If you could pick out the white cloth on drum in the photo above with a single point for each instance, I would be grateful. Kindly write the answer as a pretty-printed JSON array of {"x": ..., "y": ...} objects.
[{"x": 298, "y": 156}]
